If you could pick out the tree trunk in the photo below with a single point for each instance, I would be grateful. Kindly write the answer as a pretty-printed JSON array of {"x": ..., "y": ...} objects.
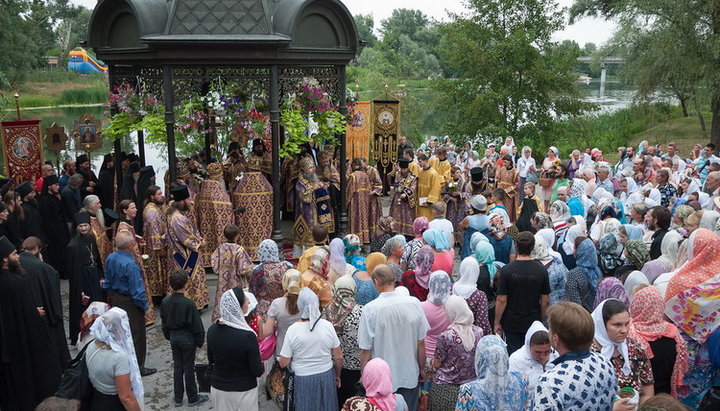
[
  {"x": 683, "y": 104},
  {"x": 698, "y": 110},
  {"x": 715, "y": 128}
]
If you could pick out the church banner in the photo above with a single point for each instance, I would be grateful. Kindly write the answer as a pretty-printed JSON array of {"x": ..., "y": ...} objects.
[
  {"x": 23, "y": 153},
  {"x": 359, "y": 130},
  {"x": 386, "y": 115}
]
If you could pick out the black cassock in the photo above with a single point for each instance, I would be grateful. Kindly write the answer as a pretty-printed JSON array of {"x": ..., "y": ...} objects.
[
  {"x": 106, "y": 180},
  {"x": 45, "y": 284},
  {"x": 30, "y": 370},
  {"x": 12, "y": 228},
  {"x": 33, "y": 223},
  {"x": 56, "y": 232},
  {"x": 85, "y": 271}
]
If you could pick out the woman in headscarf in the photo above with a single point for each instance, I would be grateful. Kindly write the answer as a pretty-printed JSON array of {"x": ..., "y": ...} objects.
[
  {"x": 485, "y": 256},
  {"x": 577, "y": 192},
  {"x": 628, "y": 200},
  {"x": 476, "y": 222},
  {"x": 344, "y": 314},
  {"x": 94, "y": 310},
  {"x": 609, "y": 255},
  {"x": 433, "y": 307},
  {"x": 316, "y": 276},
  {"x": 365, "y": 290},
  {"x": 667, "y": 260},
  {"x": 112, "y": 366},
  {"x": 660, "y": 339},
  {"x": 444, "y": 254},
  {"x": 383, "y": 232},
  {"x": 630, "y": 232},
  {"x": 352, "y": 251},
  {"x": 313, "y": 348},
  {"x": 610, "y": 287},
  {"x": 416, "y": 281},
  {"x": 634, "y": 279},
  {"x": 607, "y": 223},
  {"x": 454, "y": 354},
  {"x": 393, "y": 250},
  {"x": 528, "y": 210},
  {"x": 413, "y": 246},
  {"x": 709, "y": 219},
  {"x": 496, "y": 388},
  {"x": 337, "y": 265},
  {"x": 266, "y": 277},
  {"x": 559, "y": 212},
  {"x": 567, "y": 249},
  {"x": 551, "y": 260},
  {"x": 549, "y": 164},
  {"x": 466, "y": 287},
  {"x": 535, "y": 357},
  {"x": 233, "y": 353},
  {"x": 500, "y": 240},
  {"x": 681, "y": 214},
  {"x": 576, "y": 163},
  {"x": 703, "y": 262},
  {"x": 582, "y": 280},
  {"x": 611, "y": 341},
  {"x": 637, "y": 253},
  {"x": 377, "y": 381},
  {"x": 283, "y": 311}
]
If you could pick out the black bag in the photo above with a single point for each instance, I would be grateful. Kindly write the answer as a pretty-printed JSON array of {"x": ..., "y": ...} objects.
[{"x": 75, "y": 382}]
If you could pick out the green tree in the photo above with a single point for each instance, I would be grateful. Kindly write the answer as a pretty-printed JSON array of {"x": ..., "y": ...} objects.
[
  {"x": 404, "y": 21},
  {"x": 589, "y": 49},
  {"x": 512, "y": 79},
  {"x": 19, "y": 51},
  {"x": 694, "y": 30},
  {"x": 365, "y": 25}
]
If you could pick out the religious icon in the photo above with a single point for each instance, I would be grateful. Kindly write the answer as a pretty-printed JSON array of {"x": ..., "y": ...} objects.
[
  {"x": 386, "y": 118},
  {"x": 22, "y": 148},
  {"x": 87, "y": 134},
  {"x": 55, "y": 138}
]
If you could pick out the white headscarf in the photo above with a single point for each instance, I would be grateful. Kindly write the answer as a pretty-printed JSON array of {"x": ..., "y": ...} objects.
[
  {"x": 439, "y": 287},
  {"x": 461, "y": 320},
  {"x": 634, "y": 279},
  {"x": 541, "y": 251},
  {"x": 693, "y": 187},
  {"x": 231, "y": 313},
  {"x": 548, "y": 234},
  {"x": 113, "y": 328},
  {"x": 469, "y": 273},
  {"x": 572, "y": 234},
  {"x": 626, "y": 198},
  {"x": 608, "y": 346},
  {"x": 522, "y": 360},
  {"x": 708, "y": 220},
  {"x": 669, "y": 248},
  {"x": 309, "y": 306}
]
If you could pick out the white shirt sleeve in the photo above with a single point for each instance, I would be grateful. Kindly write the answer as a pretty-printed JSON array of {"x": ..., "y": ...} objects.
[
  {"x": 286, "y": 350},
  {"x": 366, "y": 331}
]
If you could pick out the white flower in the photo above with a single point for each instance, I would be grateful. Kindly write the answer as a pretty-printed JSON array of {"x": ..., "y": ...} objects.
[{"x": 145, "y": 257}]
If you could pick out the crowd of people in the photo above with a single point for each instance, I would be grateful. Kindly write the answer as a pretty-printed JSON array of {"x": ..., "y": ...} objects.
[{"x": 494, "y": 282}]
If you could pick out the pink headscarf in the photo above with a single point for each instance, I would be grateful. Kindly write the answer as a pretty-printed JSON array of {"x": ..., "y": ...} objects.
[
  {"x": 420, "y": 225},
  {"x": 377, "y": 380}
]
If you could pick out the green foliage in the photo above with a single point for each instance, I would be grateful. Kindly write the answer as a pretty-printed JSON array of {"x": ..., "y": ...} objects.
[
  {"x": 295, "y": 126},
  {"x": 510, "y": 77},
  {"x": 365, "y": 25},
  {"x": 154, "y": 126},
  {"x": 83, "y": 96},
  {"x": 121, "y": 125}
]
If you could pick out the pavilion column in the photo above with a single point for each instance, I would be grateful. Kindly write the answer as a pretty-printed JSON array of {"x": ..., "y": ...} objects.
[
  {"x": 169, "y": 101},
  {"x": 141, "y": 147},
  {"x": 343, "y": 218},
  {"x": 277, "y": 235},
  {"x": 117, "y": 148}
]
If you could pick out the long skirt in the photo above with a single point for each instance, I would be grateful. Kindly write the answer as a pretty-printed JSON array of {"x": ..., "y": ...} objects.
[
  {"x": 234, "y": 400},
  {"x": 443, "y": 396},
  {"x": 316, "y": 392},
  {"x": 105, "y": 402}
]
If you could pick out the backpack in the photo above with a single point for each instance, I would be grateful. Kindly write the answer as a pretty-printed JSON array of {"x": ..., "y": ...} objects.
[{"x": 75, "y": 382}]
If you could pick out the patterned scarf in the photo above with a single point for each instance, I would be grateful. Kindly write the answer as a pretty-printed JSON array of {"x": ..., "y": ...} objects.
[{"x": 343, "y": 300}]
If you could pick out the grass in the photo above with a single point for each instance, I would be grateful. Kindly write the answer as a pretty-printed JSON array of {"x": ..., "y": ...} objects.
[
  {"x": 684, "y": 131},
  {"x": 61, "y": 87}
]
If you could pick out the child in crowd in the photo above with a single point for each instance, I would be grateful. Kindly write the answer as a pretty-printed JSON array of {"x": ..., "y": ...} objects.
[
  {"x": 232, "y": 264},
  {"x": 182, "y": 326},
  {"x": 529, "y": 189},
  {"x": 320, "y": 236}
]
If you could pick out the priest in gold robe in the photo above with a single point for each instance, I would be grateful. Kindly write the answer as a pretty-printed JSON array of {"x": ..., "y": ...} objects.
[
  {"x": 214, "y": 210},
  {"x": 441, "y": 164},
  {"x": 403, "y": 198},
  {"x": 155, "y": 225},
  {"x": 376, "y": 190},
  {"x": 506, "y": 178},
  {"x": 184, "y": 243},
  {"x": 252, "y": 201},
  {"x": 428, "y": 188}
]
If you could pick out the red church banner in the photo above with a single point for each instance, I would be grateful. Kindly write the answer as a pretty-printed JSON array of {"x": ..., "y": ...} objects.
[{"x": 22, "y": 149}]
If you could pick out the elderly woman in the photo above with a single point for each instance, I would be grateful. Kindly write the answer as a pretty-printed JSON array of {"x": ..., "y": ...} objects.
[
  {"x": 496, "y": 388},
  {"x": 233, "y": 353},
  {"x": 566, "y": 245},
  {"x": 582, "y": 280},
  {"x": 344, "y": 314},
  {"x": 266, "y": 277},
  {"x": 444, "y": 254},
  {"x": 611, "y": 341},
  {"x": 316, "y": 276},
  {"x": 413, "y": 246},
  {"x": 466, "y": 287},
  {"x": 454, "y": 354},
  {"x": 637, "y": 254},
  {"x": 552, "y": 261},
  {"x": 416, "y": 281},
  {"x": 393, "y": 250},
  {"x": 500, "y": 240},
  {"x": 476, "y": 222},
  {"x": 667, "y": 260},
  {"x": 559, "y": 212},
  {"x": 525, "y": 164},
  {"x": 382, "y": 233},
  {"x": 352, "y": 251},
  {"x": 377, "y": 381},
  {"x": 312, "y": 349},
  {"x": 575, "y": 164},
  {"x": 337, "y": 264},
  {"x": 112, "y": 366},
  {"x": 609, "y": 255},
  {"x": 365, "y": 291},
  {"x": 434, "y": 311}
]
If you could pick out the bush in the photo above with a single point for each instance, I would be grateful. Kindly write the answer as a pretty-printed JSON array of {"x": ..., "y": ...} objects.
[{"x": 83, "y": 96}]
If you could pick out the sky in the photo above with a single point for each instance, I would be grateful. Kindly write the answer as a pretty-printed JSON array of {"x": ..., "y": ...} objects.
[{"x": 584, "y": 31}]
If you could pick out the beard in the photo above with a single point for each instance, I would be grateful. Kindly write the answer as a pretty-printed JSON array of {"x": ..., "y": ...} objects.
[
  {"x": 100, "y": 217},
  {"x": 15, "y": 267},
  {"x": 182, "y": 206},
  {"x": 312, "y": 177}
]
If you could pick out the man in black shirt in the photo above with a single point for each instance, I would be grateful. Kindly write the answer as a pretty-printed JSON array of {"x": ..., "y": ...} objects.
[
  {"x": 523, "y": 294},
  {"x": 182, "y": 326},
  {"x": 658, "y": 220}
]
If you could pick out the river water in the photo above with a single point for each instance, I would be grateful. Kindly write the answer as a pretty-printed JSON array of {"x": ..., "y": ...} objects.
[{"x": 617, "y": 96}]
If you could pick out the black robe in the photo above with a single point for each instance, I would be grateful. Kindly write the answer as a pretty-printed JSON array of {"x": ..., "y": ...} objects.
[
  {"x": 106, "y": 181},
  {"x": 33, "y": 223},
  {"x": 127, "y": 191},
  {"x": 87, "y": 178},
  {"x": 29, "y": 369},
  {"x": 45, "y": 284},
  {"x": 56, "y": 232},
  {"x": 12, "y": 228},
  {"x": 144, "y": 182},
  {"x": 85, "y": 271}
]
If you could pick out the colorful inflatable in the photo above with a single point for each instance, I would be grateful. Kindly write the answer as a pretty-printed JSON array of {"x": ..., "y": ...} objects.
[{"x": 84, "y": 63}]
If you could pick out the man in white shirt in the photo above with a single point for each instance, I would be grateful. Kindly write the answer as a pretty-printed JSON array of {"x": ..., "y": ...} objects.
[
  {"x": 441, "y": 223},
  {"x": 525, "y": 164},
  {"x": 393, "y": 327}
]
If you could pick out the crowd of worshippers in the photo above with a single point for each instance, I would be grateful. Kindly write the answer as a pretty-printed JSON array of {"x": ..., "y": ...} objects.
[{"x": 492, "y": 284}]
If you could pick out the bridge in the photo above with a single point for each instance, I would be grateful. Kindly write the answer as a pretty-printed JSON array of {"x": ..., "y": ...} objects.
[{"x": 603, "y": 62}]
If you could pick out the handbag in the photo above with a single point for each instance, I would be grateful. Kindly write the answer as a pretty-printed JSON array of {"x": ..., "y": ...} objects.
[
  {"x": 267, "y": 347},
  {"x": 75, "y": 381},
  {"x": 531, "y": 177}
]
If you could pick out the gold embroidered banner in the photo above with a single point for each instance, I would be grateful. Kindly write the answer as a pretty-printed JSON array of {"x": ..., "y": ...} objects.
[
  {"x": 386, "y": 114},
  {"x": 23, "y": 153},
  {"x": 359, "y": 130}
]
